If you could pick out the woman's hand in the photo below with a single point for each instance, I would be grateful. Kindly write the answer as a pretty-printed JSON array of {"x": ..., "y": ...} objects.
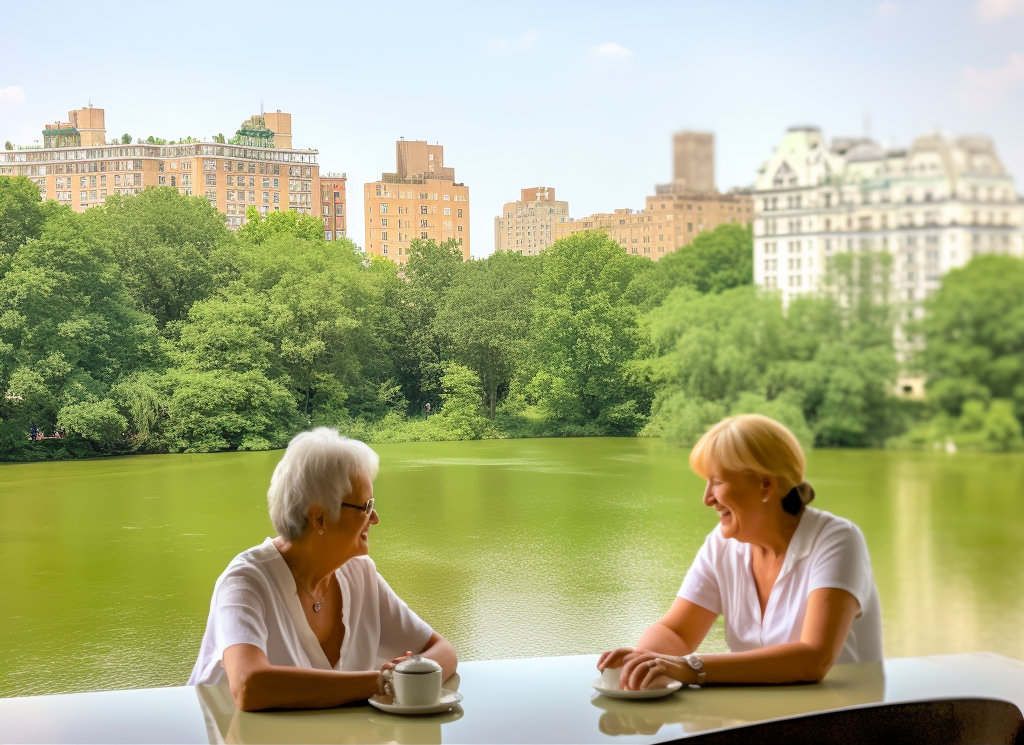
[
  {"x": 383, "y": 689},
  {"x": 392, "y": 664},
  {"x": 616, "y": 657},
  {"x": 643, "y": 670}
]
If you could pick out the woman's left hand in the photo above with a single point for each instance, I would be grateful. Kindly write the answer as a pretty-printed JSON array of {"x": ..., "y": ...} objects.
[{"x": 650, "y": 670}]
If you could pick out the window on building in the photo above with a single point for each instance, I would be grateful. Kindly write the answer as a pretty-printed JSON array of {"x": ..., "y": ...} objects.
[
  {"x": 423, "y": 209},
  {"x": 447, "y": 210},
  {"x": 423, "y": 235}
]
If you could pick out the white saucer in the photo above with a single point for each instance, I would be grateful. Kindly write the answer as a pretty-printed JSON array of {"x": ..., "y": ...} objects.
[
  {"x": 448, "y": 700},
  {"x": 598, "y": 685}
]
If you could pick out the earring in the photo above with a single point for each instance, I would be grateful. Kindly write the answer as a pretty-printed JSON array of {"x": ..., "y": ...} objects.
[
  {"x": 763, "y": 500},
  {"x": 321, "y": 531}
]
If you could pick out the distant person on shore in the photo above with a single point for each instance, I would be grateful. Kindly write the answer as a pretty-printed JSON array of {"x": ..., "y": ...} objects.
[
  {"x": 304, "y": 620},
  {"x": 793, "y": 584}
]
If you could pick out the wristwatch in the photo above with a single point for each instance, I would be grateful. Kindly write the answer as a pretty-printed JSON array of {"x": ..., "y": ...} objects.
[{"x": 697, "y": 665}]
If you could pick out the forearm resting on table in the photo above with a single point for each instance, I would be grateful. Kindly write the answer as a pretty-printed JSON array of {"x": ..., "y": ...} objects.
[
  {"x": 256, "y": 684},
  {"x": 794, "y": 662},
  {"x": 441, "y": 651},
  {"x": 830, "y": 613}
]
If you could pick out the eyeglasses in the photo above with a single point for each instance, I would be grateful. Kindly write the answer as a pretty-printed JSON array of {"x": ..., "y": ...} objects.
[{"x": 365, "y": 508}]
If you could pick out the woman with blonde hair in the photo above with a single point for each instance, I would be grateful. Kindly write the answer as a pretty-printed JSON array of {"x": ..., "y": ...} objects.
[{"x": 793, "y": 584}]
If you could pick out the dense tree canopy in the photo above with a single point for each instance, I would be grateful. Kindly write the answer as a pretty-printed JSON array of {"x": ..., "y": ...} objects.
[{"x": 145, "y": 325}]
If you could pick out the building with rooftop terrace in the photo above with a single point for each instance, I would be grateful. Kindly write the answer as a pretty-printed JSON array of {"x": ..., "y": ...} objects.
[{"x": 258, "y": 167}]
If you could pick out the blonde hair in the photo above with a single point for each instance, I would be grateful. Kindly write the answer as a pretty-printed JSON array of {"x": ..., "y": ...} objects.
[
  {"x": 318, "y": 467},
  {"x": 751, "y": 443}
]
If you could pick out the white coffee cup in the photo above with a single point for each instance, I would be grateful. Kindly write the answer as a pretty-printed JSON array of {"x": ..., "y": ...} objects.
[
  {"x": 610, "y": 677},
  {"x": 415, "y": 682}
]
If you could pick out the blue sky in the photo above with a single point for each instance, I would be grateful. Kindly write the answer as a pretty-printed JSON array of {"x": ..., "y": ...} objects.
[{"x": 580, "y": 96}]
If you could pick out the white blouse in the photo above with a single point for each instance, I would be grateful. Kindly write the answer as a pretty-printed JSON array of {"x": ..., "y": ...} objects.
[
  {"x": 255, "y": 601},
  {"x": 825, "y": 551}
]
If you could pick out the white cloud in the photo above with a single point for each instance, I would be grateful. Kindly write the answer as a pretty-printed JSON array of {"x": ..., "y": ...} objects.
[
  {"x": 980, "y": 89},
  {"x": 525, "y": 40},
  {"x": 612, "y": 50},
  {"x": 11, "y": 97},
  {"x": 886, "y": 9},
  {"x": 994, "y": 10}
]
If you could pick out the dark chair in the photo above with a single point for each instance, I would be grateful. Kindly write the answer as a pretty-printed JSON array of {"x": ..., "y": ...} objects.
[{"x": 961, "y": 721}]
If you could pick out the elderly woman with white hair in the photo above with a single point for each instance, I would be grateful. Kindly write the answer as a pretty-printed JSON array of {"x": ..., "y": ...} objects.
[
  {"x": 793, "y": 584},
  {"x": 304, "y": 620}
]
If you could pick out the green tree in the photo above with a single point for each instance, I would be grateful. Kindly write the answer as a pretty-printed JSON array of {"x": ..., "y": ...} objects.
[
  {"x": 22, "y": 215},
  {"x": 259, "y": 228},
  {"x": 69, "y": 331},
  {"x": 126, "y": 139},
  {"x": 974, "y": 335},
  {"x": 484, "y": 319},
  {"x": 431, "y": 270},
  {"x": 740, "y": 351},
  {"x": 226, "y": 388},
  {"x": 584, "y": 336},
  {"x": 164, "y": 244},
  {"x": 8, "y": 145},
  {"x": 461, "y": 416},
  {"x": 715, "y": 261}
]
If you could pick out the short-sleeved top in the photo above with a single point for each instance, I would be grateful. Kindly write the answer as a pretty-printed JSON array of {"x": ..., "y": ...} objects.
[
  {"x": 255, "y": 601},
  {"x": 825, "y": 551}
]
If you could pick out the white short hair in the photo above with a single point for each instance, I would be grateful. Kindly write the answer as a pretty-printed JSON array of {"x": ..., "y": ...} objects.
[{"x": 318, "y": 467}]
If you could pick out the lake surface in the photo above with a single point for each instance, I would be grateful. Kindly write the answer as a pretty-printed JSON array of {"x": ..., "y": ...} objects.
[{"x": 510, "y": 548}]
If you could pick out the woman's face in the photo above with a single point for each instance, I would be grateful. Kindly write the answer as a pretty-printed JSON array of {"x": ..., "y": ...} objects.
[
  {"x": 352, "y": 527},
  {"x": 737, "y": 498}
]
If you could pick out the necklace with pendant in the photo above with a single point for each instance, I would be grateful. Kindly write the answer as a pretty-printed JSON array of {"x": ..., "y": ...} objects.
[{"x": 317, "y": 603}]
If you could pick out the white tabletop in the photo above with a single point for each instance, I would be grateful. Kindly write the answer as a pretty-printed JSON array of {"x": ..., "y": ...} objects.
[{"x": 544, "y": 700}]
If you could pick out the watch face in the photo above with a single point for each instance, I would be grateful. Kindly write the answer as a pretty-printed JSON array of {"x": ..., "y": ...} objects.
[{"x": 695, "y": 662}]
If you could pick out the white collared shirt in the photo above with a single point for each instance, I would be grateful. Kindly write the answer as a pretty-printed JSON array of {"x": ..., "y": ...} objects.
[
  {"x": 255, "y": 601},
  {"x": 825, "y": 551}
]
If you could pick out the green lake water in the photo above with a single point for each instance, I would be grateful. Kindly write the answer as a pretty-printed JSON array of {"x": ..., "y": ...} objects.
[{"x": 510, "y": 548}]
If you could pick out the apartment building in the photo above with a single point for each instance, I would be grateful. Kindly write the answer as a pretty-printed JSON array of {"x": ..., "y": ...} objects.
[
  {"x": 667, "y": 223},
  {"x": 693, "y": 162},
  {"x": 258, "y": 167},
  {"x": 420, "y": 200},
  {"x": 932, "y": 206},
  {"x": 332, "y": 205},
  {"x": 527, "y": 226},
  {"x": 677, "y": 212}
]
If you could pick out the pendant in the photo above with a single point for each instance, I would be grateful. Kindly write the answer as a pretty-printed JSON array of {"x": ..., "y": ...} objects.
[{"x": 316, "y": 607}]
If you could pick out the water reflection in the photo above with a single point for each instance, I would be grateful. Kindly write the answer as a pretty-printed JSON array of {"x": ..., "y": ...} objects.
[
  {"x": 346, "y": 724},
  {"x": 690, "y": 711}
]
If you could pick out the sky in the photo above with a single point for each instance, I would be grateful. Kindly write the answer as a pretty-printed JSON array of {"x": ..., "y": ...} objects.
[{"x": 579, "y": 96}]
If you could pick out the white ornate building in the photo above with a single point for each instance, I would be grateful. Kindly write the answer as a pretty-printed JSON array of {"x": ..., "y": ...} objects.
[{"x": 932, "y": 207}]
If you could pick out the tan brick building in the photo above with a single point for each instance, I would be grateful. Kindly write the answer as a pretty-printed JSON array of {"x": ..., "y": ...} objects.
[
  {"x": 678, "y": 211},
  {"x": 693, "y": 161},
  {"x": 257, "y": 168},
  {"x": 528, "y": 225},
  {"x": 668, "y": 222},
  {"x": 420, "y": 200}
]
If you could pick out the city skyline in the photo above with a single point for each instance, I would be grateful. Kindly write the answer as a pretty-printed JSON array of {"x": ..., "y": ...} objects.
[{"x": 582, "y": 97}]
